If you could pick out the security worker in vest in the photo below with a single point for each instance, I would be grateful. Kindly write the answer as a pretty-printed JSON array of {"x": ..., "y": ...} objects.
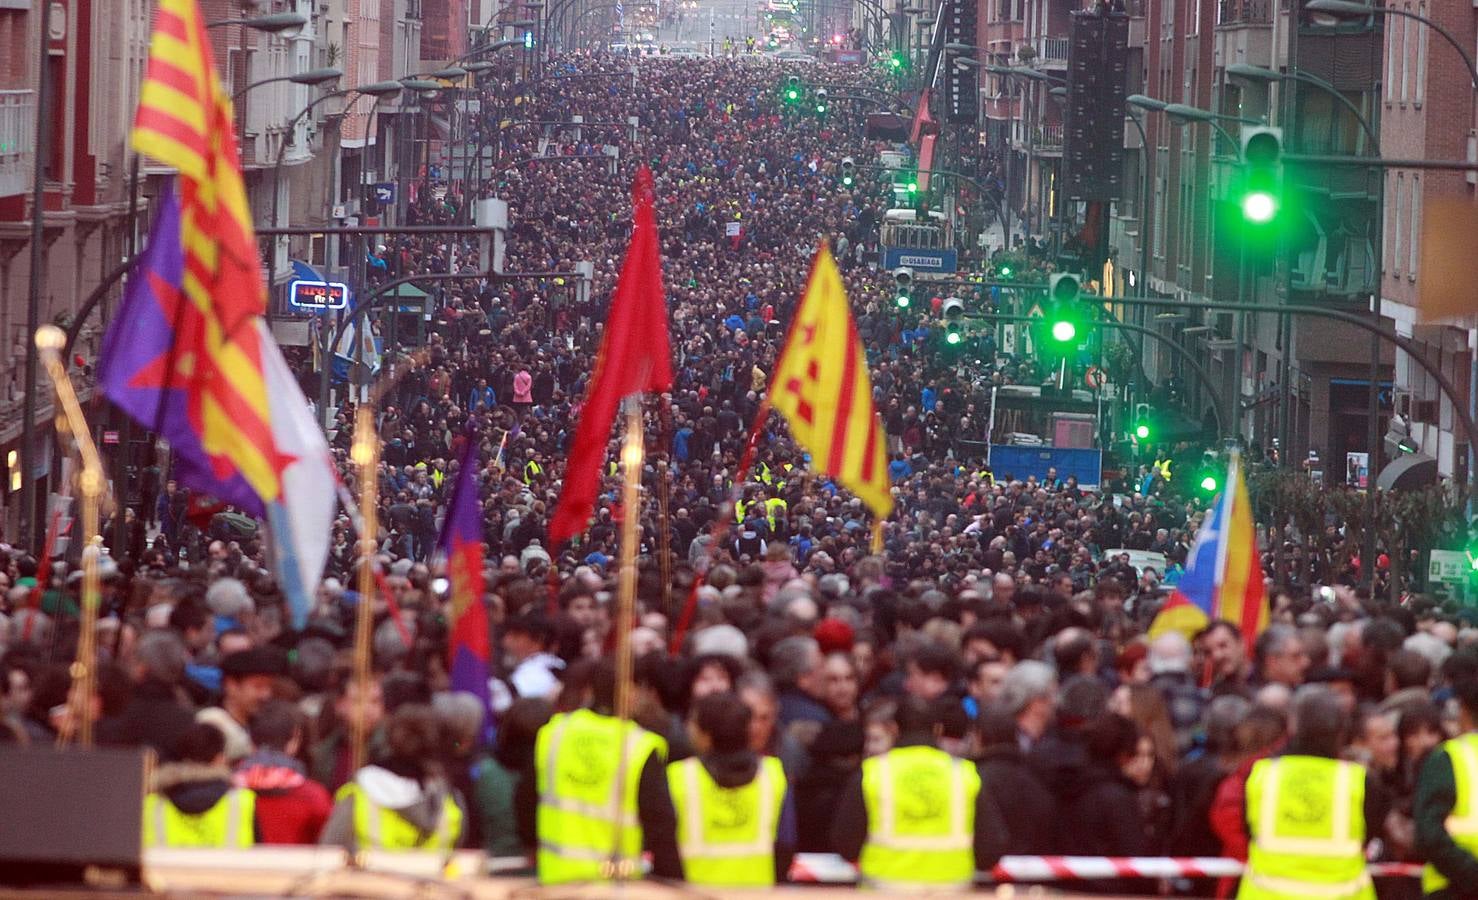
[
  {"x": 735, "y": 818},
  {"x": 1306, "y": 812},
  {"x": 915, "y": 819},
  {"x": 599, "y": 796},
  {"x": 1446, "y": 808},
  {"x": 192, "y": 803},
  {"x": 403, "y": 801}
]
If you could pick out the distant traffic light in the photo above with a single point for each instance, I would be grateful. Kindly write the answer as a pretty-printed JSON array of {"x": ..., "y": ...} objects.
[
  {"x": 849, "y": 171},
  {"x": 1262, "y": 162},
  {"x": 1142, "y": 427},
  {"x": 903, "y": 286},
  {"x": 1003, "y": 271},
  {"x": 1063, "y": 313},
  {"x": 792, "y": 88},
  {"x": 1142, "y": 430},
  {"x": 895, "y": 61},
  {"x": 1209, "y": 483},
  {"x": 528, "y": 40},
  {"x": 821, "y": 101},
  {"x": 1064, "y": 330},
  {"x": 954, "y": 312}
]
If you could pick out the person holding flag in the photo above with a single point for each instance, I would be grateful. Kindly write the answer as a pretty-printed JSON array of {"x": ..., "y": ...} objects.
[{"x": 1223, "y": 578}]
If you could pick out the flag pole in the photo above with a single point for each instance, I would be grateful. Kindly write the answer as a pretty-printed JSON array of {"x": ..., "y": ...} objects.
[
  {"x": 365, "y": 452},
  {"x": 91, "y": 482},
  {"x": 633, "y": 453}
]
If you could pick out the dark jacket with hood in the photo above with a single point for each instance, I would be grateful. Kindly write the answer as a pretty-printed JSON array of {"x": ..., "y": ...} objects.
[
  {"x": 420, "y": 801},
  {"x": 154, "y": 717},
  {"x": 732, "y": 770},
  {"x": 1099, "y": 815},
  {"x": 291, "y": 809},
  {"x": 194, "y": 788}
]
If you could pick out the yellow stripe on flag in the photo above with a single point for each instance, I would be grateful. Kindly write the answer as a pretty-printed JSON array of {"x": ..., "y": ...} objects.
[{"x": 821, "y": 387}]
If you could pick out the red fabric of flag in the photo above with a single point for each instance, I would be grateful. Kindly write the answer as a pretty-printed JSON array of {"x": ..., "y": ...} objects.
[{"x": 635, "y": 356}]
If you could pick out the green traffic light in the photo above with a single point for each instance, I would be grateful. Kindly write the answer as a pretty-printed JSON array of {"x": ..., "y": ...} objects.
[
  {"x": 821, "y": 107},
  {"x": 952, "y": 337},
  {"x": 1208, "y": 483},
  {"x": 1259, "y": 207},
  {"x": 792, "y": 94},
  {"x": 1005, "y": 272},
  {"x": 846, "y": 180},
  {"x": 913, "y": 187},
  {"x": 895, "y": 61},
  {"x": 1064, "y": 331},
  {"x": 1142, "y": 431},
  {"x": 902, "y": 301}
]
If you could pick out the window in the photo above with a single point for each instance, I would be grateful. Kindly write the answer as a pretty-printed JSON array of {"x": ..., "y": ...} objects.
[
  {"x": 1421, "y": 58},
  {"x": 1405, "y": 59},
  {"x": 1414, "y": 242},
  {"x": 1397, "y": 232},
  {"x": 1391, "y": 60}
]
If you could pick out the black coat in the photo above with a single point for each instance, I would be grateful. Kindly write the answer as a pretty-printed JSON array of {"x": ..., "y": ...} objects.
[{"x": 1026, "y": 804}]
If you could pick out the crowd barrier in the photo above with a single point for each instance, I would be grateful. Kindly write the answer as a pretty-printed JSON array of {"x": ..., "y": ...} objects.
[{"x": 828, "y": 868}]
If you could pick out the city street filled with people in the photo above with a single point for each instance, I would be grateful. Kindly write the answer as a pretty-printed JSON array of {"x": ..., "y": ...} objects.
[{"x": 986, "y": 683}]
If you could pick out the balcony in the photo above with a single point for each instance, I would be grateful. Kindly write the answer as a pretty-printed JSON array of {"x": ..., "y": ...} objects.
[
  {"x": 17, "y": 140},
  {"x": 1049, "y": 139},
  {"x": 1052, "y": 52},
  {"x": 1232, "y": 13}
]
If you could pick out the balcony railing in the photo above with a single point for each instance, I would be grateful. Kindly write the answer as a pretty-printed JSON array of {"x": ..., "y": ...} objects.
[
  {"x": 1245, "y": 12},
  {"x": 17, "y": 140},
  {"x": 1049, "y": 137},
  {"x": 1052, "y": 50}
]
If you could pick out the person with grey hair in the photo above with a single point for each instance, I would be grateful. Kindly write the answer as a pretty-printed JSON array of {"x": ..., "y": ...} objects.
[
  {"x": 796, "y": 665},
  {"x": 230, "y": 603},
  {"x": 156, "y": 713},
  {"x": 1029, "y": 695},
  {"x": 1309, "y": 813}
]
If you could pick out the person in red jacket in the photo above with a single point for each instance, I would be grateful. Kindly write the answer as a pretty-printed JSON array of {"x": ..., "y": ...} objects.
[{"x": 291, "y": 807}]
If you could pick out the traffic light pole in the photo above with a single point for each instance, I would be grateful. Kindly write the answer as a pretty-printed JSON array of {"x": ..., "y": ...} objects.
[{"x": 1202, "y": 375}]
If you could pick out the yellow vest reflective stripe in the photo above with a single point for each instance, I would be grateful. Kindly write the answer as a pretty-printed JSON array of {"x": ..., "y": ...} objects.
[
  {"x": 1462, "y": 822},
  {"x": 585, "y": 801},
  {"x": 920, "y": 805},
  {"x": 1307, "y": 820},
  {"x": 380, "y": 828},
  {"x": 530, "y": 469},
  {"x": 227, "y": 824},
  {"x": 727, "y": 835},
  {"x": 739, "y": 510},
  {"x": 771, "y": 506}
]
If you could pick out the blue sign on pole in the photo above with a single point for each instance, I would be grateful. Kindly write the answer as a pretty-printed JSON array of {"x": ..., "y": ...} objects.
[
  {"x": 932, "y": 262},
  {"x": 385, "y": 192},
  {"x": 317, "y": 296}
]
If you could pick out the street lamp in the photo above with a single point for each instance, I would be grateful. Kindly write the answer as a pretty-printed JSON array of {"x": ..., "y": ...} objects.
[
  {"x": 310, "y": 77},
  {"x": 450, "y": 73},
  {"x": 1268, "y": 76},
  {"x": 274, "y": 23},
  {"x": 1346, "y": 9}
]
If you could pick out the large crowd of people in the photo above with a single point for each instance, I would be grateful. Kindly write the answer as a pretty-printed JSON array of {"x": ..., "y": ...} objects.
[{"x": 992, "y": 627}]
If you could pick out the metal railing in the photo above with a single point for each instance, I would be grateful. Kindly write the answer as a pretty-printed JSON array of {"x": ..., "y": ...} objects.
[
  {"x": 1052, "y": 49},
  {"x": 17, "y": 140},
  {"x": 1049, "y": 137},
  {"x": 1245, "y": 12}
]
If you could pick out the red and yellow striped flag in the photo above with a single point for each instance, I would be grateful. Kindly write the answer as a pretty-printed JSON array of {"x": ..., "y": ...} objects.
[
  {"x": 822, "y": 388},
  {"x": 184, "y": 120}
]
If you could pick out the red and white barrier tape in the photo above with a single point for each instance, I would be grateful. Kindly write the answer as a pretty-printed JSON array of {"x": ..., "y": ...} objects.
[{"x": 828, "y": 868}]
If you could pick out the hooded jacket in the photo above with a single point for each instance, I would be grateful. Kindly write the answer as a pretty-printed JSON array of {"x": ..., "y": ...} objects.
[
  {"x": 193, "y": 788},
  {"x": 291, "y": 809},
  {"x": 420, "y": 804}
]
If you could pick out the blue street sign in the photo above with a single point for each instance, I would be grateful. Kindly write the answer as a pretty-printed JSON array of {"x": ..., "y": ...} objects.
[
  {"x": 923, "y": 261},
  {"x": 385, "y": 192}
]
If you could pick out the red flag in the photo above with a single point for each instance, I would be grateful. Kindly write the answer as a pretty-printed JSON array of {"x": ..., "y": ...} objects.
[{"x": 634, "y": 357}]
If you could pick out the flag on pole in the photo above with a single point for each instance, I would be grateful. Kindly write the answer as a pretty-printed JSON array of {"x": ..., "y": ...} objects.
[
  {"x": 1223, "y": 577},
  {"x": 822, "y": 388},
  {"x": 470, "y": 651},
  {"x": 635, "y": 356},
  {"x": 188, "y": 355}
]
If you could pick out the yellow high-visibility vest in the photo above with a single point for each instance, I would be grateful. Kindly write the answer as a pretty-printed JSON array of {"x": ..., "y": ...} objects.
[
  {"x": 727, "y": 835},
  {"x": 920, "y": 805},
  {"x": 381, "y": 828},
  {"x": 1306, "y": 818},
  {"x": 227, "y": 824},
  {"x": 587, "y": 768},
  {"x": 530, "y": 469},
  {"x": 773, "y": 505},
  {"x": 1462, "y": 822}
]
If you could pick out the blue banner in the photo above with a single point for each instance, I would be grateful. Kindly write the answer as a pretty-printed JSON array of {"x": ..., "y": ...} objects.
[{"x": 921, "y": 261}]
